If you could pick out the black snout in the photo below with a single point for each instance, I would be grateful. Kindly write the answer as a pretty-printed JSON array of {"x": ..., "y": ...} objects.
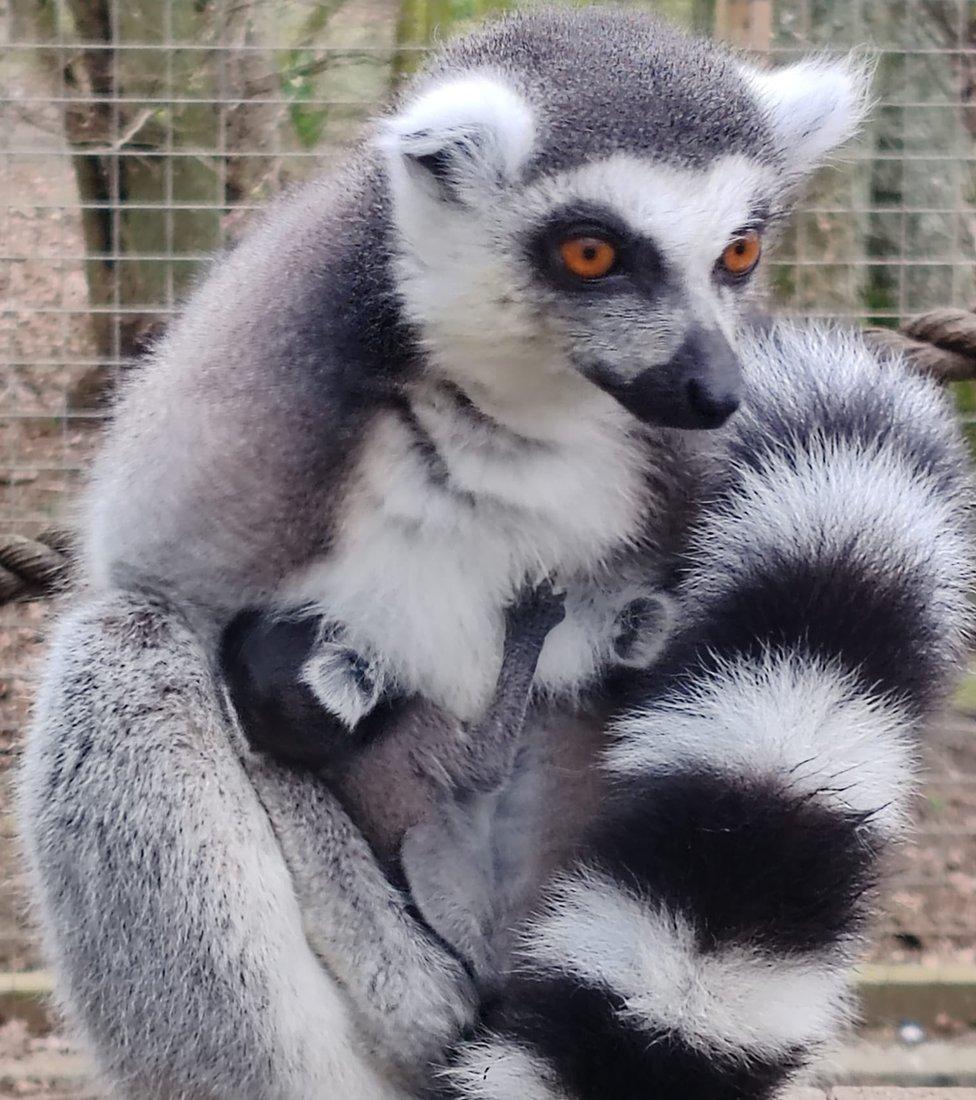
[
  {"x": 712, "y": 377},
  {"x": 713, "y": 405},
  {"x": 701, "y": 386}
]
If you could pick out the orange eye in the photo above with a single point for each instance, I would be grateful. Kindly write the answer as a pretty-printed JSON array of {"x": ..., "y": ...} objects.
[
  {"x": 588, "y": 257},
  {"x": 742, "y": 255}
]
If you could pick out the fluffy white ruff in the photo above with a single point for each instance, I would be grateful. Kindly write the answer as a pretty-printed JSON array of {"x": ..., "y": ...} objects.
[{"x": 437, "y": 616}]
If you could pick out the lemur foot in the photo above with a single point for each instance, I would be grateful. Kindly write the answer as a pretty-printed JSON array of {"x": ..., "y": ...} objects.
[
  {"x": 643, "y": 627},
  {"x": 535, "y": 611}
]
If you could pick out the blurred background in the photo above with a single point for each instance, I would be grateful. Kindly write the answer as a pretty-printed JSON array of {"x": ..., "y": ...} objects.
[{"x": 138, "y": 138}]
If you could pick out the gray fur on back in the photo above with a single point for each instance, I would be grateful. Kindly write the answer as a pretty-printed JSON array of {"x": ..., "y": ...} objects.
[{"x": 223, "y": 467}]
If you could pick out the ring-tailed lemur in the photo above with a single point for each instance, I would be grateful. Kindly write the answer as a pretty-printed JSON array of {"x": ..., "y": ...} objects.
[{"x": 480, "y": 357}]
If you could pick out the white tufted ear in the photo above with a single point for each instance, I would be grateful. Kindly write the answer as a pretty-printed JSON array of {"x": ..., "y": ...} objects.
[
  {"x": 813, "y": 106},
  {"x": 459, "y": 136}
]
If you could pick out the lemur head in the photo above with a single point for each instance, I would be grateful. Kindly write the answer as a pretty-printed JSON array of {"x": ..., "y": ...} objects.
[{"x": 586, "y": 193}]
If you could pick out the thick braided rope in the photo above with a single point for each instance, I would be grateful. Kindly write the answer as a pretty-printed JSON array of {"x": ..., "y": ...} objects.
[
  {"x": 940, "y": 343},
  {"x": 33, "y": 568}
]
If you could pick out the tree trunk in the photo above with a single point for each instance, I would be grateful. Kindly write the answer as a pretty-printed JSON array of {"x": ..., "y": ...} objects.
[{"x": 746, "y": 23}]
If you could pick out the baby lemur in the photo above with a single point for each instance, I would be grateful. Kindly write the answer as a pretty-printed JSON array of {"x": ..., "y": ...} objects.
[{"x": 419, "y": 783}]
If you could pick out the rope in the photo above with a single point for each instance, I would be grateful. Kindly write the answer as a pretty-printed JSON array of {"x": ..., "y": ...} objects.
[
  {"x": 940, "y": 343},
  {"x": 33, "y": 568}
]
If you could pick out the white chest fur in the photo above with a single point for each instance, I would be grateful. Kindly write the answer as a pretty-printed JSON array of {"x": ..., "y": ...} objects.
[{"x": 434, "y": 542}]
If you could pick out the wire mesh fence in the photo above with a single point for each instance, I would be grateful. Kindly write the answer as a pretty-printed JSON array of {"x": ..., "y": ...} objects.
[{"x": 138, "y": 137}]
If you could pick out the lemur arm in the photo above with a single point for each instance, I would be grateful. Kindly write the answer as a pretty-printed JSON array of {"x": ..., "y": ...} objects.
[
  {"x": 700, "y": 945},
  {"x": 174, "y": 905}
]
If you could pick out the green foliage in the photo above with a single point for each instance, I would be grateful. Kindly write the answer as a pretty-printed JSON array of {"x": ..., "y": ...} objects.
[
  {"x": 299, "y": 70},
  {"x": 965, "y": 697},
  {"x": 964, "y": 394},
  {"x": 297, "y": 79},
  {"x": 937, "y": 804},
  {"x": 879, "y": 296},
  {"x": 782, "y": 283}
]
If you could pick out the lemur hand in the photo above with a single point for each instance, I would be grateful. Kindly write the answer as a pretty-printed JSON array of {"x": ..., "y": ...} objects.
[
  {"x": 642, "y": 628},
  {"x": 297, "y": 694},
  {"x": 536, "y": 610}
]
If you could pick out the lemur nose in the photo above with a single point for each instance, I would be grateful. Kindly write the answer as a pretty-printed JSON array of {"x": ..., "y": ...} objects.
[
  {"x": 712, "y": 408},
  {"x": 697, "y": 389},
  {"x": 712, "y": 381}
]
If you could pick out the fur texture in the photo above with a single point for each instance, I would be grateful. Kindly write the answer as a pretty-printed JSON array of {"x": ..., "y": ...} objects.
[{"x": 413, "y": 390}]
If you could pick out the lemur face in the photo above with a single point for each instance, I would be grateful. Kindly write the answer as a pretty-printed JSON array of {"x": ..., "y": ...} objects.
[
  {"x": 589, "y": 195},
  {"x": 643, "y": 269}
]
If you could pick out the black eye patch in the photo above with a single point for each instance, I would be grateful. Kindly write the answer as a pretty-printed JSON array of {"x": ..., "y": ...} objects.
[{"x": 638, "y": 266}]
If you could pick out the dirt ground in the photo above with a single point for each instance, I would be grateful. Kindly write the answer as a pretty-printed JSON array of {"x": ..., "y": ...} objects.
[
  {"x": 930, "y": 904},
  {"x": 41, "y": 1067}
]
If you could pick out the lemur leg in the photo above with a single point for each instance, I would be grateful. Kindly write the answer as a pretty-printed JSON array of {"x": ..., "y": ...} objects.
[
  {"x": 462, "y": 882},
  {"x": 169, "y": 913},
  {"x": 700, "y": 945},
  {"x": 411, "y": 996},
  {"x": 492, "y": 743}
]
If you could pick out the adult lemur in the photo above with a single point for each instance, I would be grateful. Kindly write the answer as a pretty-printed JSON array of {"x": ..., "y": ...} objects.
[{"x": 480, "y": 357}]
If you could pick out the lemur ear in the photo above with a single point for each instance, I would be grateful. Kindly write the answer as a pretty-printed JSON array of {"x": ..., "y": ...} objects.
[
  {"x": 460, "y": 136},
  {"x": 813, "y": 106}
]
